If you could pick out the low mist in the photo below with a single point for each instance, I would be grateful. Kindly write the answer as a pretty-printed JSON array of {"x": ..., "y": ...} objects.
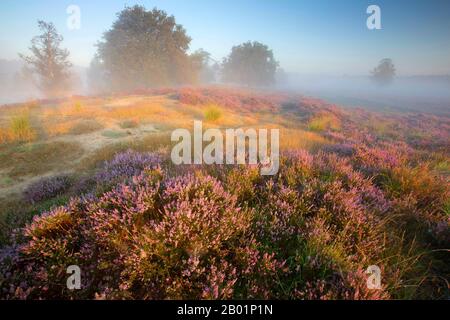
[{"x": 415, "y": 93}]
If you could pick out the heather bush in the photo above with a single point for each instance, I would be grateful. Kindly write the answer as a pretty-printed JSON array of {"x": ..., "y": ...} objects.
[
  {"x": 142, "y": 228},
  {"x": 47, "y": 188},
  {"x": 344, "y": 149},
  {"x": 188, "y": 226},
  {"x": 307, "y": 233},
  {"x": 126, "y": 165},
  {"x": 35, "y": 264},
  {"x": 234, "y": 99},
  {"x": 201, "y": 247}
]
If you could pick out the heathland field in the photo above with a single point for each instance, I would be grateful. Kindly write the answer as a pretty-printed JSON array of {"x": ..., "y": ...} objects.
[{"x": 88, "y": 181}]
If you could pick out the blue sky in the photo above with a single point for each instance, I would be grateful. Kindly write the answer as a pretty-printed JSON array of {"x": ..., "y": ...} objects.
[{"x": 310, "y": 37}]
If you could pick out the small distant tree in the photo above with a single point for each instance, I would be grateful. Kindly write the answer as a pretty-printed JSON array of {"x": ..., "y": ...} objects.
[
  {"x": 384, "y": 73},
  {"x": 48, "y": 62},
  {"x": 250, "y": 64},
  {"x": 145, "y": 49}
]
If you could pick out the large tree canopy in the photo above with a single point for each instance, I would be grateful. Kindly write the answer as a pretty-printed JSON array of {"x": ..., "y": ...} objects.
[
  {"x": 48, "y": 62},
  {"x": 145, "y": 49},
  {"x": 251, "y": 64}
]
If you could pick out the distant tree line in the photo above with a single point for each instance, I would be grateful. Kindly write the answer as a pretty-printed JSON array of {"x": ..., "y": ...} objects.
[{"x": 147, "y": 48}]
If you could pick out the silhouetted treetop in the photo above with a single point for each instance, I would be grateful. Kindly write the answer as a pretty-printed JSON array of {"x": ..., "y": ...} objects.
[
  {"x": 251, "y": 64},
  {"x": 146, "y": 48}
]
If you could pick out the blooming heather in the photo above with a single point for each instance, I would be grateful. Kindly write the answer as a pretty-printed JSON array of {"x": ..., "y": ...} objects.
[
  {"x": 376, "y": 194},
  {"x": 46, "y": 188}
]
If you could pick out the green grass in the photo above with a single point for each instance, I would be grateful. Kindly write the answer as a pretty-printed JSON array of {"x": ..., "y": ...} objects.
[
  {"x": 212, "y": 113},
  {"x": 20, "y": 128},
  {"x": 443, "y": 167},
  {"x": 447, "y": 208},
  {"x": 324, "y": 122},
  {"x": 113, "y": 134},
  {"x": 6, "y": 181}
]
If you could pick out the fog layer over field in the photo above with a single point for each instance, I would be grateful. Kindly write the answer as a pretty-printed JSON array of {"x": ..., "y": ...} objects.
[
  {"x": 415, "y": 93},
  {"x": 429, "y": 94},
  {"x": 16, "y": 84}
]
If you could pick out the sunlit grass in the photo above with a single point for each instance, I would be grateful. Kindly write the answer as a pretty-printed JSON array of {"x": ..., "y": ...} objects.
[
  {"x": 82, "y": 133},
  {"x": 145, "y": 110},
  {"x": 58, "y": 128},
  {"x": 324, "y": 122},
  {"x": 114, "y": 134},
  {"x": 38, "y": 158},
  {"x": 129, "y": 124},
  {"x": 150, "y": 142},
  {"x": 19, "y": 128},
  {"x": 300, "y": 139},
  {"x": 212, "y": 113},
  {"x": 78, "y": 107},
  {"x": 84, "y": 127}
]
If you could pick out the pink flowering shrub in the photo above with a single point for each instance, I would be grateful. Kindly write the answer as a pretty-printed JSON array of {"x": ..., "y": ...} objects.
[
  {"x": 141, "y": 228},
  {"x": 189, "y": 227},
  {"x": 216, "y": 233},
  {"x": 235, "y": 99},
  {"x": 126, "y": 165},
  {"x": 47, "y": 188}
]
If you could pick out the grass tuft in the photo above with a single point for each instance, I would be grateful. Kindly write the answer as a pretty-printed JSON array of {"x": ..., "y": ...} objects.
[{"x": 212, "y": 113}]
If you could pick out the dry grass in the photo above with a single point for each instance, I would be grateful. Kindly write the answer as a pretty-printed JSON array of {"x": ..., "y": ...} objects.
[
  {"x": 299, "y": 139},
  {"x": 84, "y": 127},
  {"x": 82, "y": 132},
  {"x": 151, "y": 142},
  {"x": 114, "y": 134},
  {"x": 72, "y": 127},
  {"x": 213, "y": 113},
  {"x": 129, "y": 124},
  {"x": 58, "y": 128},
  {"x": 38, "y": 158},
  {"x": 324, "y": 122},
  {"x": 19, "y": 128},
  {"x": 145, "y": 110}
]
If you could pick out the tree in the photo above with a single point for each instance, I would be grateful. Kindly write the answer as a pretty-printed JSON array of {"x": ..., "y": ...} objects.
[
  {"x": 202, "y": 67},
  {"x": 48, "y": 62},
  {"x": 97, "y": 76},
  {"x": 145, "y": 49},
  {"x": 384, "y": 73},
  {"x": 251, "y": 64}
]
